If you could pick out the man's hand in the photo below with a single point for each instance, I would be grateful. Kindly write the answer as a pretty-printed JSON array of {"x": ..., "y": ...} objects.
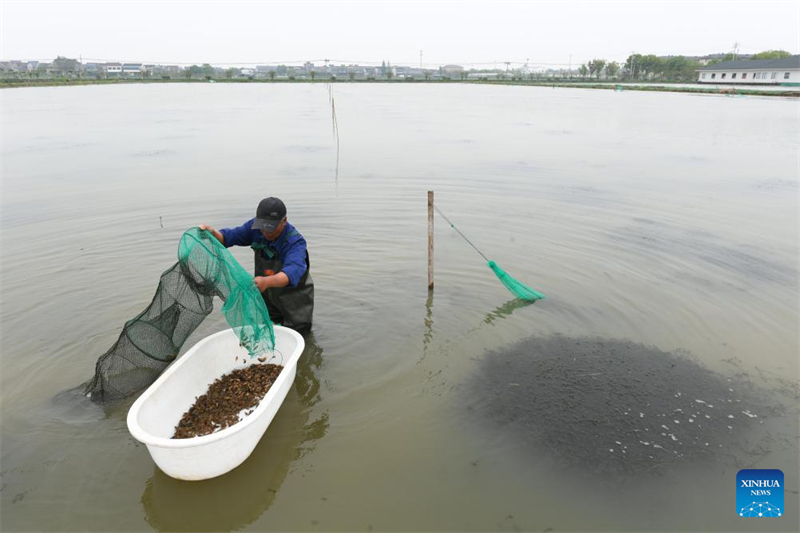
[
  {"x": 261, "y": 283},
  {"x": 217, "y": 235},
  {"x": 266, "y": 282}
]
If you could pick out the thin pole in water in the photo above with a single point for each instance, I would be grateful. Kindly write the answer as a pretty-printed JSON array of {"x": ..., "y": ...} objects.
[{"x": 430, "y": 240}]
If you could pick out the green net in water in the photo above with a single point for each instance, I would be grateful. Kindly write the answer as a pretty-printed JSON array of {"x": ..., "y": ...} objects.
[
  {"x": 151, "y": 341},
  {"x": 517, "y": 288}
]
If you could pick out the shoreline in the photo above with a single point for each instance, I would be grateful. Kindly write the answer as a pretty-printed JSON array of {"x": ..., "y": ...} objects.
[{"x": 728, "y": 90}]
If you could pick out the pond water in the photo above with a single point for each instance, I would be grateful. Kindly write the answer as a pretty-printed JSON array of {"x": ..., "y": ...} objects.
[{"x": 648, "y": 219}]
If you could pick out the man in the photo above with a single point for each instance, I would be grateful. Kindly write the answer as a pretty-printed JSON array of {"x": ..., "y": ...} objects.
[{"x": 281, "y": 263}]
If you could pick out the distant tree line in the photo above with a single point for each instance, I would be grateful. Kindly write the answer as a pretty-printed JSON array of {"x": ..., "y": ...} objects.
[
  {"x": 204, "y": 71},
  {"x": 635, "y": 68}
]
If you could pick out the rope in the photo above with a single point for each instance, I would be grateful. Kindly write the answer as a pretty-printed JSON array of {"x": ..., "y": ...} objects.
[{"x": 459, "y": 232}]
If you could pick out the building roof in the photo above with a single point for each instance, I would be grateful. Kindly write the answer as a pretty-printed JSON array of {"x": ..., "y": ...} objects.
[{"x": 752, "y": 64}]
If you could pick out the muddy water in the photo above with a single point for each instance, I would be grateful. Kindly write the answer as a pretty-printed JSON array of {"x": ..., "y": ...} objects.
[{"x": 667, "y": 221}]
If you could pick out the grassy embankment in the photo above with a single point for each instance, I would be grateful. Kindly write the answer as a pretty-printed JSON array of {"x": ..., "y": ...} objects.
[{"x": 730, "y": 90}]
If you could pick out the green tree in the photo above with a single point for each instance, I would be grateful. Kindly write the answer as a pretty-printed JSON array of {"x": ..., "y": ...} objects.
[
  {"x": 272, "y": 74},
  {"x": 596, "y": 66},
  {"x": 208, "y": 71},
  {"x": 679, "y": 68},
  {"x": 195, "y": 71},
  {"x": 313, "y": 74},
  {"x": 612, "y": 69},
  {"x": 651, "y": 66},
  {"x": 351, "y": 75},
  {"x": 633, "y": 65},
  {"x": 583, "y": 70},
  {"x": 187, "y": 73},
  {"x": 65, "y": 65},
  {"x": 772, "y": 54}
]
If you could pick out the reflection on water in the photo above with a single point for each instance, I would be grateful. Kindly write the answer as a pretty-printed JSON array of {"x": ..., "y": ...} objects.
[
  {"x": 506, "y": 310},
  {"x": 238, "y": 498},
  {"x": 427, "y": 331}
]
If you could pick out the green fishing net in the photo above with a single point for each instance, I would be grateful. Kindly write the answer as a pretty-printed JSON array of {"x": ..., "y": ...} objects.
[
  {"x": 151, "y": 341},
  {"x": 517, "y": 288}
]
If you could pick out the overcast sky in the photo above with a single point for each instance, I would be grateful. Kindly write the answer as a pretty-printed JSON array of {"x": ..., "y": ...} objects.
[{"x": 467, "y": 33}]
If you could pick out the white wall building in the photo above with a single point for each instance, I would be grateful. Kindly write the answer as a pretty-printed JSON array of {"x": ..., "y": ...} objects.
[
  {"x": 754, "y": 71},
  {"x": 132, "y": 69},
  {"x": 113, "y": 68}
]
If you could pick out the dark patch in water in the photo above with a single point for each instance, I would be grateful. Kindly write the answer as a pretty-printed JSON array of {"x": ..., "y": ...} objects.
[
  {"x": 616, "y": 407},
  {"x": 646, "y": 221}
]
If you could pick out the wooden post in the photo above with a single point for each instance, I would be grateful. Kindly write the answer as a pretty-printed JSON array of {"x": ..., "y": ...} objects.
[{"x": 430, "y": 240}]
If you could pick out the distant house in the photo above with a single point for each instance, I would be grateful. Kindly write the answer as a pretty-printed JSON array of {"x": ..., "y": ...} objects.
[
  {"x": 784, "y": 71},
  {"x": 483, "y": 75},
  {"x": 132, "y": 69},
  {"x": 452, "y": 70},
  {"x": 113, "y": 69}
]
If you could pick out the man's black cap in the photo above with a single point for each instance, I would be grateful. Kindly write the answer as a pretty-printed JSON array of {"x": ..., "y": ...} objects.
[{"x": 269, "y": 214}]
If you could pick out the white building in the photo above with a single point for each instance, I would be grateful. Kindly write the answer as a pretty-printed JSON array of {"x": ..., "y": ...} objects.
[
  {"x": 132, "y": 69},
  {"x": 113, "y": 68},
  {"x": 784, "y": 71},
  {"x": 483, "y": 75}
]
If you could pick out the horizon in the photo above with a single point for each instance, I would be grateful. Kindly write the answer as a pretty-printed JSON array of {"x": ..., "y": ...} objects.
[{"x": 499, "y": 65}]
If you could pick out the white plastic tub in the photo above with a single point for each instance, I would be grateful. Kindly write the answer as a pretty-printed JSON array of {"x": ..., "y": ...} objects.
[{"x": 153, "y": 417}]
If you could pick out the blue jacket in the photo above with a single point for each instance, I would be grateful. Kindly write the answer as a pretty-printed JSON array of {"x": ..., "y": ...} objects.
[{"x": 290, "y": 247}]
